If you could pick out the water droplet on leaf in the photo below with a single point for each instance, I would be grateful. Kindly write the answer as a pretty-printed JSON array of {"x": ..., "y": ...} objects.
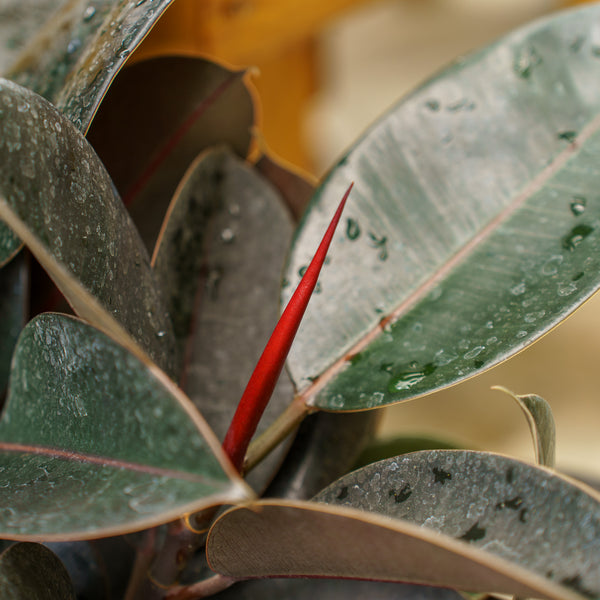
[
  {"x": 576, "y": 236},
  {"x": 352, "y": 229},
  {"x": 578, "y": 205}
]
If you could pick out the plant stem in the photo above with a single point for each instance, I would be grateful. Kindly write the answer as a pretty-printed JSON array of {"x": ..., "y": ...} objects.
[
  {"x": 287, "y": 421},
  {"x": 266, "y": 373}
]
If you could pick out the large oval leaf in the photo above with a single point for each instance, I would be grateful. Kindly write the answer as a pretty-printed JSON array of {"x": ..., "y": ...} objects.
[
  {"x": 95, "y": 441},
  {"x": 33, "y": 572},
  {"x": 473, "y": 227},
  {"x": 487, "y": 522},
  {"x": 75, "y": 57},
  {"x": 53, "y": 187},
  {"x": 220, "y": 255}
]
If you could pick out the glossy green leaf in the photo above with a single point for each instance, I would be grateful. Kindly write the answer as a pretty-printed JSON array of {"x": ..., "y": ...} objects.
[
  {"x": 19, "y": 22},
  {"x": 541, "y": 424},
  {"x": 156, "y": 118},
  {"x": 31, "y": 571},
  {"x": 487, "y": 523},
  {"x": 96, "y": 441},
  {"x": 75, "y": 57},
  {"x": 220, "y": 255},
  {"x": 473, "y": 227},
  {"x": 56, "y": 192}
]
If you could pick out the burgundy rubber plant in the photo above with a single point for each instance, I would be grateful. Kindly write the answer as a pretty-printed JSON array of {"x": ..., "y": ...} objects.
[{"x": 148, "y": 450}]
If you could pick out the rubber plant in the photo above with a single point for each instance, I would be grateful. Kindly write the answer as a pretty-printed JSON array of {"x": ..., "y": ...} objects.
[{"x": 130, "y": 327}]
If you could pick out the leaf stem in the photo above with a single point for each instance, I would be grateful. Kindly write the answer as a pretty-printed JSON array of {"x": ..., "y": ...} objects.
[
  {"x": 266, "y": 373},
  {"x": 287, "y": 421}
]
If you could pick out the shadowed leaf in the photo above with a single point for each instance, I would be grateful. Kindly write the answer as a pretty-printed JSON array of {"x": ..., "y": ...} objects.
[
  {"x": 541, "y": 424},
  {"x": 54, "y": 188},
  {"x": 487, "y": 522},
  {"x": 96, "y": 442},
  {"x": 75, "y": 57},
  {"x": 31, "y": 571},
  {"x": 220, "y": 254},
  {"x": 332, "y": 589},
  {"x": 14, "y": 289},
  {"x": 154, "y": 121},
  {"x": 466, "y": 239}
]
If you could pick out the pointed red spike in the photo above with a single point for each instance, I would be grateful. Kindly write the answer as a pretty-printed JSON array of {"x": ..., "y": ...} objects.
[{"x": 266, "y": 373}]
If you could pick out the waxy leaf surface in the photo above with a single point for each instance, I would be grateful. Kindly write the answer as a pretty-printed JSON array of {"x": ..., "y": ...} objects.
[
  {"x": 53, "y": 185},
  {"x": 31, "y": 571},
  {"x": 95, "y": 442},
  {"x": 220, "y": 255},
  {"x": 75, "y": 57},
  {"x": 487, "y": 522},
  {"x": 474, "y": 225},
  {"x": 155, "y": 120}
]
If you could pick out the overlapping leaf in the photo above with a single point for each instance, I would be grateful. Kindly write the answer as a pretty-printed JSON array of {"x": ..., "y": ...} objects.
[
  {"x": 220, "y": 255},
  {"x": 487, "y": 523},
  {"x": 95, "y": 441},
  {"x": 56, "y": 191},
  {"x": 75, "y": 57},
  {"x": 474, "y": 225},
  {"x": 33, "y": 572}
]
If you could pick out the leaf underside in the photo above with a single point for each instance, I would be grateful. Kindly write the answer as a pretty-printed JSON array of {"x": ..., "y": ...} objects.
[
  {"x": 57, "y": 188},
  {"x": 487, "y": 522},
  {"x": 465, "y": 239},
  {"x": 74, "y": 58},
  {"x": 157, "y": 116},
  {"x": 95, "y": 442}
]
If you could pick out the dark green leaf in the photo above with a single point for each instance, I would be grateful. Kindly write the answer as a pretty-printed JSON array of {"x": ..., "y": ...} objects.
[
  {"x": 33, "y": 572},
  {"x": 95, "y": 442},
  {"x": 56, "y": 191},
  {"x": 75, "y": 57},
  {"x": 541, "y": 424},
  {"x": 473, "y": 227},
  {"x": 488, "y": 523},
  {"x": 220, "y": 256},
  {"x": 154, "y": 121}
]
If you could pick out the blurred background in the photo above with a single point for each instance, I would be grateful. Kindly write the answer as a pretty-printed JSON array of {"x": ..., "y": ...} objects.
[{"x": 328, "y": 68}]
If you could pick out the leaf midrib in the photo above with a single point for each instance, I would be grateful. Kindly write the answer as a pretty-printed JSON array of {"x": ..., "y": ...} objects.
[
  {"x": 117, "y": 463},
  {"x": 309, "y": 393}
]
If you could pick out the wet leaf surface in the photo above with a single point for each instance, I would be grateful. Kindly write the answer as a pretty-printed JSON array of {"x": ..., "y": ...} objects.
[
  {"x": 95, "y": 442},
  {"x": 75, "y": 57},
  {"x": 156, "y": 119},
  {"x": 220, "y": 254},
  {"x": 465, "y": 238},
  {"x": 541, "y": 424},
  {"x": 52, "y": 184},
  {"x": 31, "y": 571},
  {"x": 487, "y": 522}
]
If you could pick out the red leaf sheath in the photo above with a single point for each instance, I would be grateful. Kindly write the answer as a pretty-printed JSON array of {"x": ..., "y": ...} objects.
[{"x": 262, "y": 382}]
